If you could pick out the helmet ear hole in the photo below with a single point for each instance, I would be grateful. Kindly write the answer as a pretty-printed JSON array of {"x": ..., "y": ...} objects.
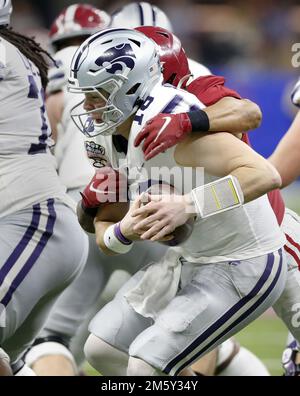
[{"x": 133, "y": 89}]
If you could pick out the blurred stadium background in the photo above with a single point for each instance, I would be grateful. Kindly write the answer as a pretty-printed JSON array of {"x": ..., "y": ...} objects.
[{"x": 250, "y": 43}]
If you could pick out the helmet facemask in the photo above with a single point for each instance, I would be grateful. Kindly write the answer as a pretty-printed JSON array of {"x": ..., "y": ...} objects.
[{"x": 110, "y": 115}]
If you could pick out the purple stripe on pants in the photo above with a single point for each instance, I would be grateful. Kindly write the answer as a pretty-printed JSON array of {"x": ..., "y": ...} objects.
[
  {"x": 232, "y": 311},
  {"x": 34, "y": 255},
  {"x": 4, "y": 270}
]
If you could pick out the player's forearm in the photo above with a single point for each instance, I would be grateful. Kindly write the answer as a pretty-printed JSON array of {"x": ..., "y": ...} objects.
[
  {"x": 256, "y": 181},
  {"x": 288, "y": 165},
  {"x": 286, "y": 157},
  {"x": 233, "y": 115}
]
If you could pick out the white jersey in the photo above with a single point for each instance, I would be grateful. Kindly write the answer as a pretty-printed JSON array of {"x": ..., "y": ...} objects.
[
  {"x": 245, "y": 232},
  {"x": 27, "y": 168},
  {"x": 74, "y": 168}
]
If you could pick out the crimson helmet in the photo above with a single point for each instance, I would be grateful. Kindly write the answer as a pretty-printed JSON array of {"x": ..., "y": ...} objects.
[
  {"x": 172, "y": 55},
  {"x": 78, "y": 20}
]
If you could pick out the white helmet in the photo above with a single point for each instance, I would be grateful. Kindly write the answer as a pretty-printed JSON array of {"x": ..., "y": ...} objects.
[
  {"x": 140, "y": 14},
  {"x": 121, "y": 66},
  {"x": 5, "y": 12}
]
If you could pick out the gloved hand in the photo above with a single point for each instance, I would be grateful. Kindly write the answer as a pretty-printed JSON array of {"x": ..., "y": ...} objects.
[
  {"x": 162, "y": 132},
  {"x": 107, "y": 186}
]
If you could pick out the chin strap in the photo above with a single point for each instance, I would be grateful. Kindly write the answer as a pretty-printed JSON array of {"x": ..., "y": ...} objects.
[{"x": 183, "y": 81}]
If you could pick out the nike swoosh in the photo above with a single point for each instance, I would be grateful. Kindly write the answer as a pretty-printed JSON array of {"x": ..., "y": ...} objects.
[
  {"x": 96, "y": 190},
  {"x": 167, "y": 122}
]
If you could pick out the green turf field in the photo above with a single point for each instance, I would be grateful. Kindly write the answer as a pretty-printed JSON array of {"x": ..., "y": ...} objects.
[{"x": 265, "y": 337}]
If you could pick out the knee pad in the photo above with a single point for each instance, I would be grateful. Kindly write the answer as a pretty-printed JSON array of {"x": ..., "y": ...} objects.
[
  {"x": 226, "y": 353},
  {"x": 44, "y": 348},
  {"x": 105, "y": 358},
  {"x": 234, "y": 360}
]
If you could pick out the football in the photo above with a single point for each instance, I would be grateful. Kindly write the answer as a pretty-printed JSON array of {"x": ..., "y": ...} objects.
[{"x": 181, "y": 233}]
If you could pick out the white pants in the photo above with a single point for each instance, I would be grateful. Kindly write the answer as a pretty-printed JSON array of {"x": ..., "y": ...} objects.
[
  {"x": 214, "y": 302},
  {"x": 42, "y": 250}
]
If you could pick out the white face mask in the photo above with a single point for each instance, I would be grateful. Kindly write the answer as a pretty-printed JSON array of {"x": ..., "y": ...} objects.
[{"x": 102, "y": 119}]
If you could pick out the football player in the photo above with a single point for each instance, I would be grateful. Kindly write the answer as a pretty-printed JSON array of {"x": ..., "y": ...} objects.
[
  {"x": 51, "y": 354},
  {"x": 74, "y": 171},
  {"x": 157, "y": 140},
  {"x": 42, "y": 248},
  {"x": 286, "y": 159},
  {"x": 165, "y": 329},
  {"x": 235, "y": 115}
]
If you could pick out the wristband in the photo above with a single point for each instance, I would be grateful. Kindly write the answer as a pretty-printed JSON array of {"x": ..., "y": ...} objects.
[
  {"x": 120, "y": 236},
  {"x": 199, "y": 121},
  {"x": 219, "y": 196},
  {"x": 112, "y": 239}
]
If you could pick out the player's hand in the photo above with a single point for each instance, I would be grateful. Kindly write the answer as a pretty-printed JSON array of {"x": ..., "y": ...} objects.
[
  {"x": 162, "y": 132},
  {"x": 161, "y": 215},
  {"x": 129, "y": 222},
  {"x": 106, "y": 186}
]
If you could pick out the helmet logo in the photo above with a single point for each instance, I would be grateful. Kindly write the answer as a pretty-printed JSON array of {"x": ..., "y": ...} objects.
[{"x": 117, "y": 59}]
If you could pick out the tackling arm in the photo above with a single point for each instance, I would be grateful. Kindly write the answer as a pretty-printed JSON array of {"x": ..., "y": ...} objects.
[
  {"x": 229, "y": 114},
  {"x": 225, "y": 111},
  {"x": 286, "y": 157},
  {"x": 233, "y": 115}
]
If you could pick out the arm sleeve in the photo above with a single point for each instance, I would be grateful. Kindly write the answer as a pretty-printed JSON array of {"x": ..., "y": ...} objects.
[{"x": 210, "y": 89}]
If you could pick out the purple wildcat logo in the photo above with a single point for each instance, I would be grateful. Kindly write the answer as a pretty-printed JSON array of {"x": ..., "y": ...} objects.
[{"x": 116, "y": 59}]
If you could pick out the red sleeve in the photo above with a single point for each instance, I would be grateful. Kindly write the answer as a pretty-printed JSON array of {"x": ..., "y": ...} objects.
[{"x": 210, "y": 89}]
